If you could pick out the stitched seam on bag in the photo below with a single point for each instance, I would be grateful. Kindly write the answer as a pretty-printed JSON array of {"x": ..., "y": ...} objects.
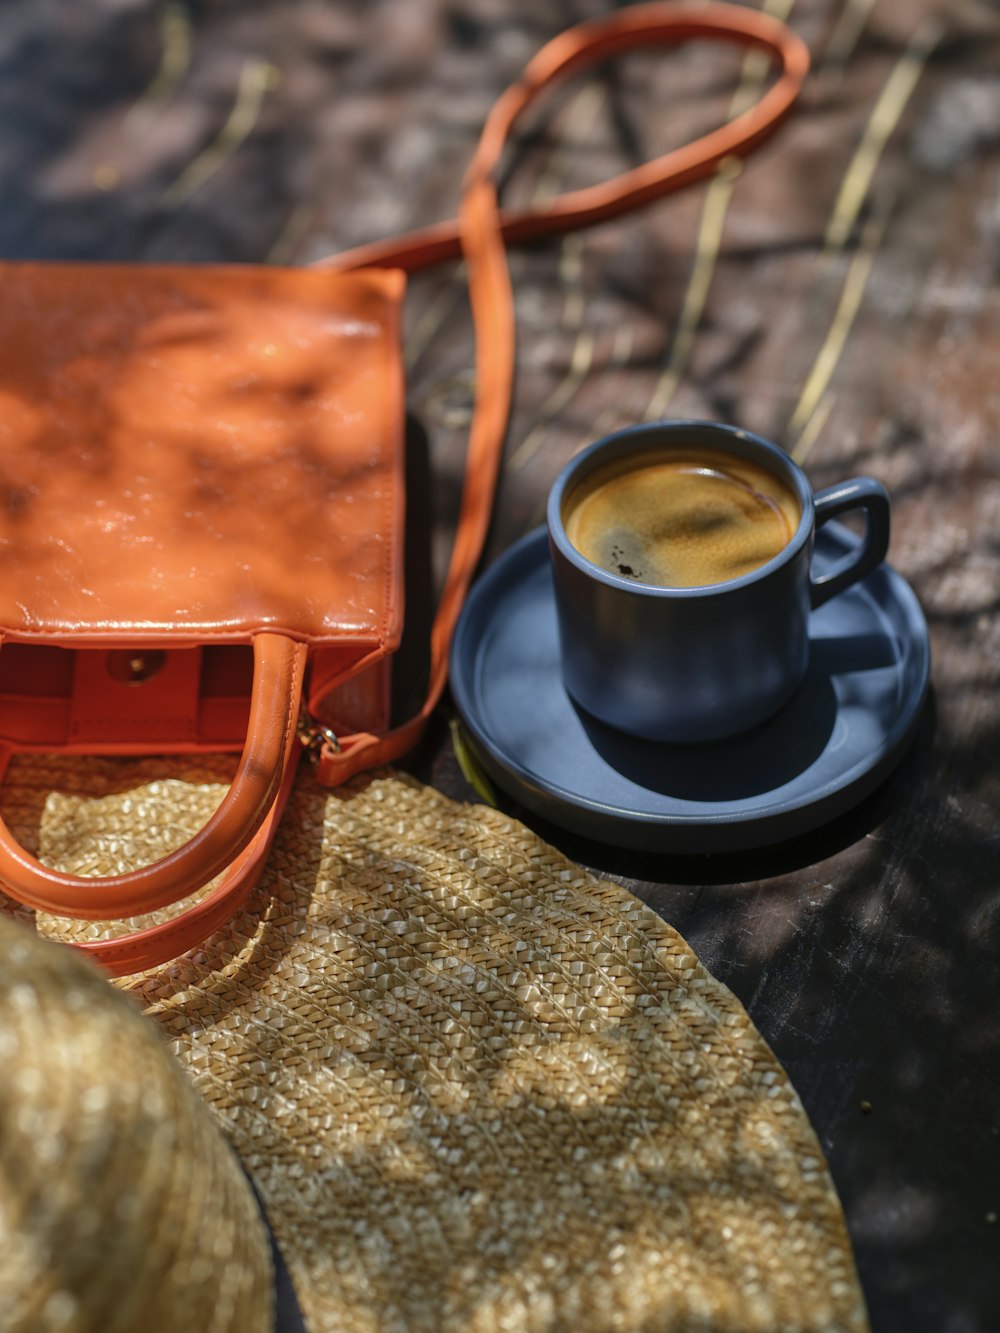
[
  {"x": 195, "y": 637},
  {"x": 113, "y": 720},
  {"x": 391, "y": 500}
]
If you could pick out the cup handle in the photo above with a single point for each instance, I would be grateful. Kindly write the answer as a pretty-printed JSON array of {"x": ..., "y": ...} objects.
[{"x": 861, "y": 493}]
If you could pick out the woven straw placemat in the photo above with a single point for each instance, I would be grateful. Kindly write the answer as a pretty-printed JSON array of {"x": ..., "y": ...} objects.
[{"x": 477, "y": 1088}]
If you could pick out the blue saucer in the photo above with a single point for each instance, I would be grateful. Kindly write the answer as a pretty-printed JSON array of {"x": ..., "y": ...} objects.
[{"x": 838, "y": 739}]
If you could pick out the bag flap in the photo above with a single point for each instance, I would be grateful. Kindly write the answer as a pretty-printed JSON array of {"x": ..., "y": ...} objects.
[{"x": 192, "y": 454}]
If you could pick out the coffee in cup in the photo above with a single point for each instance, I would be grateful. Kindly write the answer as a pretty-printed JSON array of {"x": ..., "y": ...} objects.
[
  {"x": 681, "y": 519},
  {"x": 683, "y": 576}
]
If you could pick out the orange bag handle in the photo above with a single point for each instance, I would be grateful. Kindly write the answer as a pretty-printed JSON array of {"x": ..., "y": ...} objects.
[
  {"x": 157, "y": 944},
  {"x": 279, "y": 663},
  {"x": 480, "y": 234}
]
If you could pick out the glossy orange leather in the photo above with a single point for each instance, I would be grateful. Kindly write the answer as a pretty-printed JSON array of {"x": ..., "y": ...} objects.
[
  {"x": 228, "y": 424},
  {"x": 196, "y": 464},
  {"x": 195, "y": 454}
]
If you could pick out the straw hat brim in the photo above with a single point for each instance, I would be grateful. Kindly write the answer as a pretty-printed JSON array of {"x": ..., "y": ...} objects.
[
  {"x": 121, "y": 1205},
  {"x": 476, "y": 1087}
]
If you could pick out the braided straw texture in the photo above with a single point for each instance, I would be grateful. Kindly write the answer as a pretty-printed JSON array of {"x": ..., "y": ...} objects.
[
  {"x": 477, "y": 1088},
  {"x": 121, "y": 1207}
]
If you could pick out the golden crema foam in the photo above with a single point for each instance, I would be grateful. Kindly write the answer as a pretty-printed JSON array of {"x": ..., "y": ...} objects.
[{"x": 681, "y": 519}]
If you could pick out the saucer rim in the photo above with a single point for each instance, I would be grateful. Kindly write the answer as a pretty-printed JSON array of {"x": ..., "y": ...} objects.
[{"x": 760, "y": 826}]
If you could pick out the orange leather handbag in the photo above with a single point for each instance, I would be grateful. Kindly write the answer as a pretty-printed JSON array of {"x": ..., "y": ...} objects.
[{"x": 202, "y": 486}]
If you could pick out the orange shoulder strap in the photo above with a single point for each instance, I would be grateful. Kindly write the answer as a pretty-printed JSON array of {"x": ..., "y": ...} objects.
[{"x": 481, "y": 233}]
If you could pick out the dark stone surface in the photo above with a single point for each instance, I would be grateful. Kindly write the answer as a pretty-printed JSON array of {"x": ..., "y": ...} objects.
[{"x": 840, "y": 297}]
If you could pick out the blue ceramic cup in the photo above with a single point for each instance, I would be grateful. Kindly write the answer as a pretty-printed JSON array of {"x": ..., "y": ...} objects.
[{"x": 699, "y": 663}]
